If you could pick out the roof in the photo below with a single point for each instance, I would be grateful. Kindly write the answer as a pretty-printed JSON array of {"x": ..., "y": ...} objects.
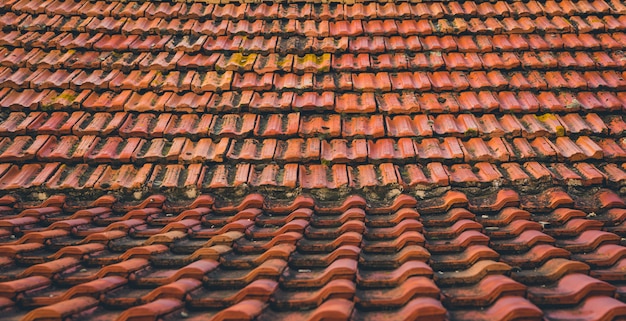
[{"x": 435, "y": 160}]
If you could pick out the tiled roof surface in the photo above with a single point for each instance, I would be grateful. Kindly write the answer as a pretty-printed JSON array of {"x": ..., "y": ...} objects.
[{"x": 451, "y": 160}]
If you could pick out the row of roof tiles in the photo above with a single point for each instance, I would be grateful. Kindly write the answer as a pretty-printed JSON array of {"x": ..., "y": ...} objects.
[
  {"x": 113, "y": 287},
  {"x": 332, "y": 271},
  {"x": 147, "y": 69},
  {"x": 550, "y": 265},
  {"x": 238, "y": 101},
  {"x": 449, "y": 217},
  {"x": 301, "y": 44},
  {"x": 218, "y": 81},
  {"x": 115, "y": 291},
  {"x": 412, "y": 276},
  {"x": 382, "y": 177},
  {"x": 57, "y": 207},
  {"x": 318, "y": 11},
  {"x": 93, "y": 149},
  {"x": 339, "y": 28},
  {"x": 152, "y": 246},
  {"x": 573, "y": 230},
  {"x": 170, "y": 126}
]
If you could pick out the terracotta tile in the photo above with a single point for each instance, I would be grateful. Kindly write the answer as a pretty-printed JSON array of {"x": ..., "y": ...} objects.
[
  {"x": 277, "y": 125},
  {"x": 236, "y": 62},
  {"x": 159, "y": 150},
  {"x": 340, "y": 269},
  {"x": 412, "y": 27},
  {"x": 434, "y": 150},
  {"x": 147, "y": 102},
  {"x": 294, "y": 82},
  {"x": 448, "y": 125},
  {"x": 422, "y": 178},
  {"x": 461, "y": 61},
  {"x": 485, "y": 292},
  {"x": 78, "y": 177},
  {"x": 375, "y": 44},
  {"x": 233, "y": 125},
  {"x": 389, "y": 233},
  {"x": 416, "y": 309},
  {"x": 189, "y": 125},
  {"x": 394, "y": 103},
  {"x": 551, "y": 271},
  {"x": 374, "y": 176},
  {"x": 158, "y": 308},
  {"x": 344, "y": 151},
  {"x": 273, "y": 62},
  {"x": 230, "y": 101},
  {"x": 224, "y": 298},
  {"x": 114, "y": 149},
  {"x": 346, "y": 28},
  {"x": 127, "y": 176},
  {"x": 321, "y": 233},
  {"x": 610, "y": 308},
  {"x": 21, "y": 148},
  {"x": 567, "y": 291},
  {"x": 352, "y": 214},
  {"x": 201, "y": 62},
  {"x": 28, "y": 98},
  {"x": 297, "y": 149},
  {"x": 398, "y": 296},
  {"x": 27, "y": 176},
  {"x": 371, "y": 82},
  {"x": 213, "y": 81},
  {"x": 493, "y": 150},
  {"x": 335, "y": 289},
  {"x": 353, "y": 103},
  {"x": 271, "y": 102},
  {"x": 407, "y": 80},
  {"x": 472, "y": 275},
  {"x": 351, "y": 62},
  {"x": 189, "y": 102},
  {"x": 335, "y": 307},
  {"x": 17, "y": 122},
  {"x": 64, "y": 309},
  {"x": 204, "y": 150},
  {"x": 523, "y": 102},
  {"x": 604, "y": 256},
  {"x": 390, "y": 150},
  {"x": 321, "y": 126},
  {"x": 186, "y": 43},
  {"x": 333, "y": 82},
  {"x": 310, "y": 101},
  {"x": 502, "y": 309},
  {"x": 389, "y": 62},
  {"x": 251, "y": 81},
  {"x": 297, "y": 226},
  {"x": 98, "y": 79},
  {"x": 405, "y": 126},
  {"x": 392, "y": 246},
  {"x": 393, "y": 278},
  {"x": 312, "y": 63},
  {"x": 397, "y": 43},
  {"x": 145, "y": 125},
  {"x": 588, "y": 241},
  {"x": 359, "y": 126},
  {"x": 321, "y": 176},
  {"x": 252, "y": 150}
]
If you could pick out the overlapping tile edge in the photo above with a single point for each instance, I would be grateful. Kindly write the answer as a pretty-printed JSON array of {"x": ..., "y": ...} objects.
[{"x": 307, "y": 160}]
